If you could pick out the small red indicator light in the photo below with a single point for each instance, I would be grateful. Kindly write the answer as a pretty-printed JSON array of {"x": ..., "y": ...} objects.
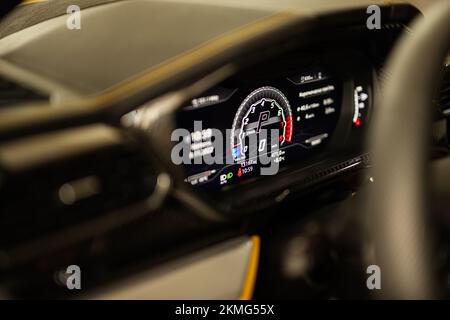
[
  {"x": 358, "y": 122},
  {"x": 239, "y": 173}
]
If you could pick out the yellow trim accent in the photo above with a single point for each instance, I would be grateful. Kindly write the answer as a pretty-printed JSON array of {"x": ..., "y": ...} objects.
[
  {"x": 252, "y": 270},
  {"x": 25, "y": 2}
]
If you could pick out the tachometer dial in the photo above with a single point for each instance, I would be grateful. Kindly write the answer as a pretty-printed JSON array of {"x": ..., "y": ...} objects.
[{"x": 265, "y": 108}]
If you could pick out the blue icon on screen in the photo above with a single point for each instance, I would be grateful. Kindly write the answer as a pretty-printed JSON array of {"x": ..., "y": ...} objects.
[{"x": 236, "y": 151}]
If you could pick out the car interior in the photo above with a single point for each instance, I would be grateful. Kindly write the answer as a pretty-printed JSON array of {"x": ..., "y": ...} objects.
[{"x": 224, "y": 149}]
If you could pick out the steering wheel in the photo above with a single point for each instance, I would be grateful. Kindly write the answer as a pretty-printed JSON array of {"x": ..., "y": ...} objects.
[{"x": 399, "y": 200}]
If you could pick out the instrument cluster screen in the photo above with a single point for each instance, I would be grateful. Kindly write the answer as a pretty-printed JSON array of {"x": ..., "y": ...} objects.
[{"x": 237, "y": 132}]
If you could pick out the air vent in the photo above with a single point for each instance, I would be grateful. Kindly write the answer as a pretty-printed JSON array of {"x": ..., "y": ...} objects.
[
  {"x": 11, "y": 93},
  {"x": 444, "y": 93},
  {"x": 64, "y": 178}
]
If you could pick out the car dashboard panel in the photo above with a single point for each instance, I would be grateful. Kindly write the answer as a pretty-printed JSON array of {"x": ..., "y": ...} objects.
[
  {"x": 93, "y": 184},
  {"x": 272, "y": 118}
]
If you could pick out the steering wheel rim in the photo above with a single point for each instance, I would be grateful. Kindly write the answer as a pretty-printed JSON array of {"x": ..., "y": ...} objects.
[{"x": 399, "y": 142}]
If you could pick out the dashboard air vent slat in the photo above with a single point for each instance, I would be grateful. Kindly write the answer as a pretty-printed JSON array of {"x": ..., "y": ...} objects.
[{"x": 63, "y": 178}]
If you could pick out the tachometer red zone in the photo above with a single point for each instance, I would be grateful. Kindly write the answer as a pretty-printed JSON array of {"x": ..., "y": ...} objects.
[{"x": 288, "y": 129}]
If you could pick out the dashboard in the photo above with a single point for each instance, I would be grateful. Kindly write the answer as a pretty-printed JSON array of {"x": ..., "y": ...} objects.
[
  {"x": 106, "y": 194},
  {"x": 272, "y": 118}
]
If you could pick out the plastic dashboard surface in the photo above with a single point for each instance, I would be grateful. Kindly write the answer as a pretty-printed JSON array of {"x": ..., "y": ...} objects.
[{"x": 274, "y": 117}]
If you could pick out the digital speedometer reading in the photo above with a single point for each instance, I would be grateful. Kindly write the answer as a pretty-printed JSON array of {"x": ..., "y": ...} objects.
[
  {"x": 261, "y": 113},
  {"x": 245, "y": 128}
]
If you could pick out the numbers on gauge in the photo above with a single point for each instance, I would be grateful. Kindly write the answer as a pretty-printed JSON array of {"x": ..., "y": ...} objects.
[{"x": 264, "y": 108}]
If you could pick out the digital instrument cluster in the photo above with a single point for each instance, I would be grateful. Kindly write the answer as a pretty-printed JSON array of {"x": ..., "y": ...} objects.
[{"x": 238, "y": 131}]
